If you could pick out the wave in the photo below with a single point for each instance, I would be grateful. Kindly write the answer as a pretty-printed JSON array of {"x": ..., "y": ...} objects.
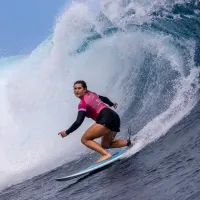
[{"x": 136, "y": 53}]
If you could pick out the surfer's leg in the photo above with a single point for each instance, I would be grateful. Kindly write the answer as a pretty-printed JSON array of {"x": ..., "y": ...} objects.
[
  {"x": 96, "y": 131},
  {"x": 108, "y": 141}
]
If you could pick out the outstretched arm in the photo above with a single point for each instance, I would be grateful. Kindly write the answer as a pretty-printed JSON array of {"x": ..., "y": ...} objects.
[
  {"x": 107, "y": 101},
  {"x": 80, "y": 118}
]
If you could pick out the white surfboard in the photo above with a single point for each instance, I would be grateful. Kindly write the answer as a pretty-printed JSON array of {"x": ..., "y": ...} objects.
[{"x": 94, "y": 167}]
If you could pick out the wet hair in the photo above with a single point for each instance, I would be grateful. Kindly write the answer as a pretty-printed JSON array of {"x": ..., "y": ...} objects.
[{"x": 83, "y": 83}]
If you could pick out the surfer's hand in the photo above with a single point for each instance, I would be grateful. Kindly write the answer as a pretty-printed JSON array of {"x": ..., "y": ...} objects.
[
  {"x": 115, "y": 105},
  {"x": 62, "y": 134}
]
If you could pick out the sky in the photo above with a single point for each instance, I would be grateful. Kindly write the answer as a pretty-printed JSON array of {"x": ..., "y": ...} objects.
[{"x": 25, "y": 24}]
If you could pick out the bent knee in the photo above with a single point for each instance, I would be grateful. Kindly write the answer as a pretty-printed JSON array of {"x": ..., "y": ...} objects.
[{"x": 83, "y": 140}]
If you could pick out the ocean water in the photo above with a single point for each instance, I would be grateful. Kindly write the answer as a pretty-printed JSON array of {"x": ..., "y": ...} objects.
[{"x": 143, "y": 55}]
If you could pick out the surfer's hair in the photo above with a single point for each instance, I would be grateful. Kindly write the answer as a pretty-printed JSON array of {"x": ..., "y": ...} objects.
[{"x": 83, "y": 83}]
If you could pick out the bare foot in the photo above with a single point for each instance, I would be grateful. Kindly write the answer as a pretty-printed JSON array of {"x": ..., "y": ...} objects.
[{"x": 105, "y": 157}]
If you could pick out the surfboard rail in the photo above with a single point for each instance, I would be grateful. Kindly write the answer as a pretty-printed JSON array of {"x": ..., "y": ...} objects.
[{"x": 94, "y": 167}]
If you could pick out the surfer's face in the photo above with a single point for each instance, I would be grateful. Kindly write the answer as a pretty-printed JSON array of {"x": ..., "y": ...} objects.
[{"x": 79, "y": 90}]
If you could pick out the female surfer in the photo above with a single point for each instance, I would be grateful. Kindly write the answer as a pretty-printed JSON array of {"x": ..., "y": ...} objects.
[{"x": 107, "y": 121}]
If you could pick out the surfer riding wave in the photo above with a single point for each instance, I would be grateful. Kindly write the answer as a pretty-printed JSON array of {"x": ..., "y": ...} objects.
[{"x": 107, "y": 121}]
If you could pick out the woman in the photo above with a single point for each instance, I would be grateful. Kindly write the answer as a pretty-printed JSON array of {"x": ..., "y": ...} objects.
[{"x": 107, "y": 121}]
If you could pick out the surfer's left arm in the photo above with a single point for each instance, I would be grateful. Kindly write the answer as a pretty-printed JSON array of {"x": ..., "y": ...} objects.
[
  {"x": 108, "y": 101},
  {"x": 79, "y": 120}
]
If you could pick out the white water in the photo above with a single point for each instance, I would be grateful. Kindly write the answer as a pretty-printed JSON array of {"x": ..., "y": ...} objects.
[{"x": 37, "y": 99}]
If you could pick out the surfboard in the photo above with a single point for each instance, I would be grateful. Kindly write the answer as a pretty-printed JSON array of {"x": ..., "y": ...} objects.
[{"x": 94, "y": 167}]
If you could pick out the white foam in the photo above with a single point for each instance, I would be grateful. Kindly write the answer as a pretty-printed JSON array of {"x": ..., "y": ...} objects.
[
  {"x": 37, "y": 99},
  {"x": 137, "y": 12}
]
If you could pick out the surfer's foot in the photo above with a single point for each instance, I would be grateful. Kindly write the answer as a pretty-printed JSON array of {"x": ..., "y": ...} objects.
[
  {"x": 130, "y": 143},
  {"x": 105, "y": 157}
]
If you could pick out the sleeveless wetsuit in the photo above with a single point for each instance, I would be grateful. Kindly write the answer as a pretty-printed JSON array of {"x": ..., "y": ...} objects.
[{"x": 93, "y": 106}]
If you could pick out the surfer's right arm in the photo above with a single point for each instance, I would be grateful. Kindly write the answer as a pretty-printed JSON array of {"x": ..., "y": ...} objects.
[{"x": 79, "y": 120}]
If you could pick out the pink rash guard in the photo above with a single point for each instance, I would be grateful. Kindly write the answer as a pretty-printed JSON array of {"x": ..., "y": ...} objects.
[{"x": 92, "y": 104}]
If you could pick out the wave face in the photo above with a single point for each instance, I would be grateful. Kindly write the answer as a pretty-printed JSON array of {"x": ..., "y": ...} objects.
[{"x": 142, "y": 54}]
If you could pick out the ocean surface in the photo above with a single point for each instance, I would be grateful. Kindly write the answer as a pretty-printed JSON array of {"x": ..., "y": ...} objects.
[{"x": 145, "y": 55}]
